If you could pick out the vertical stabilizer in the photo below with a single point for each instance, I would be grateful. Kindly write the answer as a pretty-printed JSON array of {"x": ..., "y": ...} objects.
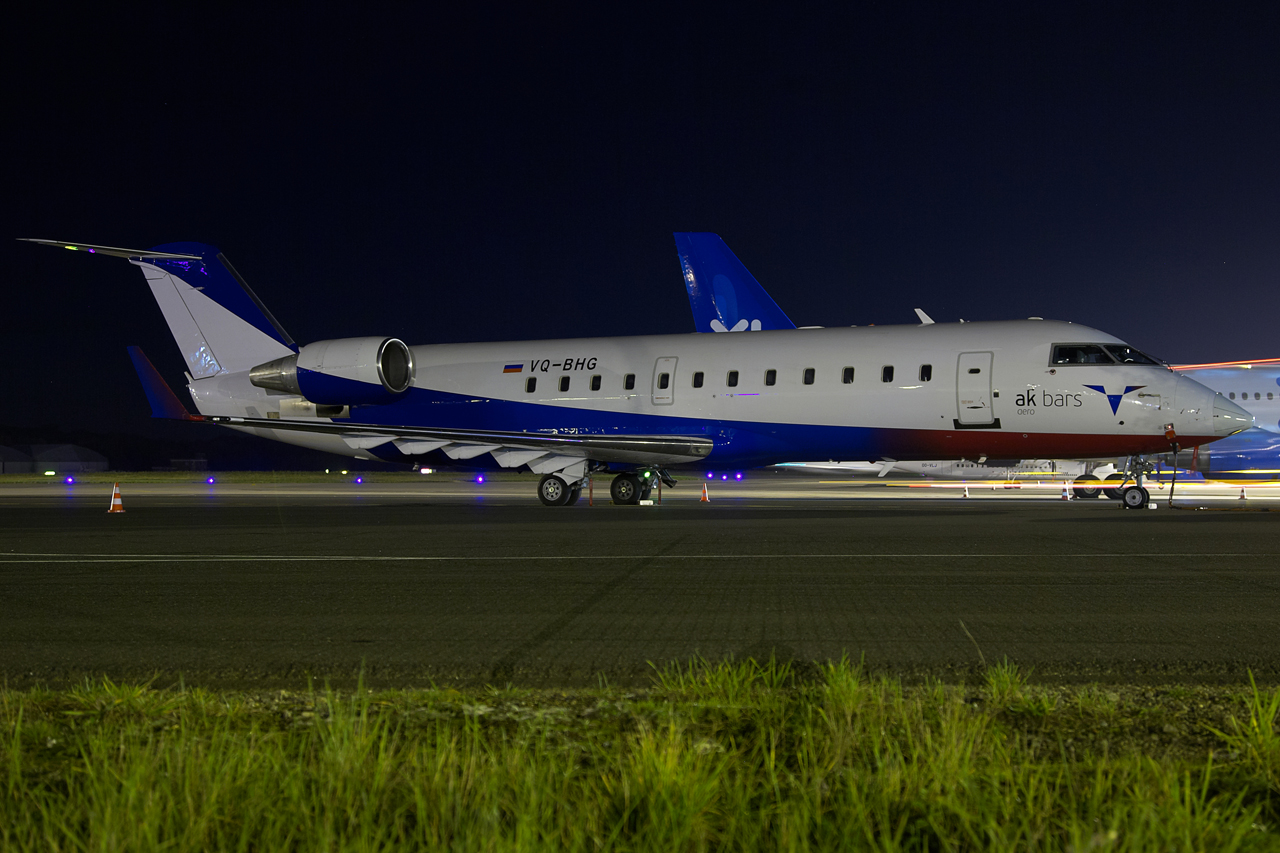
[
  {"x": 219, "y": 324},
  {"x": 723, "y": 295}
]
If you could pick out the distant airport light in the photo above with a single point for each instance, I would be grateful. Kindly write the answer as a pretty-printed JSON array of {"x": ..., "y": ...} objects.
[
  {"x": 209, "y": 481},
  {"x": 738, "y": 476},
  {"x": 480, "y": 478},
  {"x": 711, "y": 475},
  {"x": 70, "y": 480},
  {"x": 344, "y": 473},
  {"x": 425, "y": 471},
  {"x": 359, "y": 479},
  {"x": 724, "y": 476}
]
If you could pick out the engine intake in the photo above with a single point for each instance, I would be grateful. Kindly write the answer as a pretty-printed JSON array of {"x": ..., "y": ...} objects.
[{"x": 343, "y": 372}]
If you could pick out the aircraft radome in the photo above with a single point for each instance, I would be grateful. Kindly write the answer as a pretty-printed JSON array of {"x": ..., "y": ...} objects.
[{"x": 636, "y": 407}]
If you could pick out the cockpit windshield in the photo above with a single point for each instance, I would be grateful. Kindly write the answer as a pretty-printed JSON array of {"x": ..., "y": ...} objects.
[
  {"x": 1101, "y": 354},
  {"x": 1129, "y": 355},
  {"x": 1080, "y": 354}
]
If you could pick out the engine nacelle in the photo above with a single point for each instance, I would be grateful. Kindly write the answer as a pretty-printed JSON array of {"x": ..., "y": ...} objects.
[{"x": 345, "y": 372}]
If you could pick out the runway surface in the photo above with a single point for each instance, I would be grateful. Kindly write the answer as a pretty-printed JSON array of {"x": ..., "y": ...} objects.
[{"x": 450, "y": 581}]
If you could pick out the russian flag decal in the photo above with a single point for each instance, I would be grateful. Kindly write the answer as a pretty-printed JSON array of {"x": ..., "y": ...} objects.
[{"x": 513, "y": 368}]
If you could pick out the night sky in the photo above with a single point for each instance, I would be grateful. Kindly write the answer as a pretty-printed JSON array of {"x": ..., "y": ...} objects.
[{"x": 496, "y": 175}]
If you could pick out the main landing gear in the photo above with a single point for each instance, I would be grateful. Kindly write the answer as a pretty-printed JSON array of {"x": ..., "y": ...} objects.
[
  {"x": 628, "y": 488},
  {"x": 554, "y": 491},
  {"x": 634, "y": 486}
]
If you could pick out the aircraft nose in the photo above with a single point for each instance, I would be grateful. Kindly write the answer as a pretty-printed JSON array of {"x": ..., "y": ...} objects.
[{"x": 1228, "y": 418}]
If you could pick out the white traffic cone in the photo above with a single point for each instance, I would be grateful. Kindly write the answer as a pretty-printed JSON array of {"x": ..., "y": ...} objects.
[
  {"x": 117, "y": 505},
  {"x": 1242, "y": 497},
  {"x": 966, "y": 492},
  {"x": 704, "y": 498}
]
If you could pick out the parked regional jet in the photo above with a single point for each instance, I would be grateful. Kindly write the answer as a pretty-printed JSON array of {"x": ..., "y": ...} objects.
[
  {"x": 1255, "y": 385},
  {"x": 636, "y": 406}
]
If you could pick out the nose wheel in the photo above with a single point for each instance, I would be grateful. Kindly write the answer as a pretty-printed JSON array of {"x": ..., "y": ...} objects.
[{"x": 1135, "y": 497}]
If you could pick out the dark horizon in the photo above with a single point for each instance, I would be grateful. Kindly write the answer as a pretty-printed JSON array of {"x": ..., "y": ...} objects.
[{"x": 462, "y": 176}]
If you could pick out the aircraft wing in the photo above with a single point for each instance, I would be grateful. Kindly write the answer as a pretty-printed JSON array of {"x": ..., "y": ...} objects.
[{"x": 510, "y": 449}]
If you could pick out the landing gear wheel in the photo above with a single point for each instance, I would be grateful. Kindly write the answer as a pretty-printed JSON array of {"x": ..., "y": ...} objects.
[
  {"x": 625, "y": 489},
  {"x": 1086, "y": 487},
  {"x": 1113, "y": 492},
  {"x": 553, "y": 491},
  {"x": 575, "y": 492},
  {"x": 1135, "y": 497}
]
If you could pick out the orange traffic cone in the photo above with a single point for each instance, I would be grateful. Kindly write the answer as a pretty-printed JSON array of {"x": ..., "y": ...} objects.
[
  {"x": 1242, "y": 497},
  {"x": 1066, "y": 495},
  {"x": 704, "y": 497},
  {"x": 117, "y": 505}
]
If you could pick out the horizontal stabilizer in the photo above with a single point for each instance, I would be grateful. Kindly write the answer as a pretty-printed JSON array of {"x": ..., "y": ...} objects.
[
  {"x": 113, "y": 251},
  {"x": 164, "y": 403}
]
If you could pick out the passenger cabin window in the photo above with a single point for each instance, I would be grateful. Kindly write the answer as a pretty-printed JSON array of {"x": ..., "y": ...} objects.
[
  {"x": 1233, "y": 395},
  {"x": 847, "y": 376},
  {"x": 771, "y": 377},
  {"x": 664, "y": 381},
  {"x": 629, "y": 382},
  {"x": 564, "y": 384},
  {"x": 697, "y": 379},
  {"x": 886, "y": 373},
  {"x": 732, "y": 379},
  {"x": 926, "y": 372},
  {"x": 1079, "y": 354},
  {"x": 809, "y": 373},
  {"x": 531, "y": 385},
  {"x": 595, "y": 382}
]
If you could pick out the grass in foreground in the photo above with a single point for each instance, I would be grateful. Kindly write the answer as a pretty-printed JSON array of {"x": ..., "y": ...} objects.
[{"x": 715, "y": 755}]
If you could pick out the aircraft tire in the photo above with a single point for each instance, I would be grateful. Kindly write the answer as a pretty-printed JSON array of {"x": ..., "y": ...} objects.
[
  {"x": 1113, "y": 492},
  {"x": 1135, "y": 497},
  {"x": 553, "y": 491},
  {"x": 1086, "y": 487},
  {"x": 575, "y": 492},
  {"x": 625, "y": 490}
]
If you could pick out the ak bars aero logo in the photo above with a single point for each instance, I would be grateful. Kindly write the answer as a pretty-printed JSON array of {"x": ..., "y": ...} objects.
[{"x": 1114, "y": 399}]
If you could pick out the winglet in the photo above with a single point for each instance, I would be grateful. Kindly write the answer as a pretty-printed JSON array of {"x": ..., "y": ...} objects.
[{"x": 164, "y": 403}]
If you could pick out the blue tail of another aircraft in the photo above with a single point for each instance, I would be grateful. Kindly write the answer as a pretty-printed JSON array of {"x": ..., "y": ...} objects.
[{"x": 723, "y": 295}]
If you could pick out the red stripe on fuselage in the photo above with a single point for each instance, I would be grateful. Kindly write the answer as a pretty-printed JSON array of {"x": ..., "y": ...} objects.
[{"x": 1006, "y": 444}]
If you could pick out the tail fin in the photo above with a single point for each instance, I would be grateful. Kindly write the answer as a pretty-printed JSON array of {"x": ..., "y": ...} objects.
[
  {"x": 219, "y": 324},
  {"x": 723, "y": 295},
  {"x": 164, "y": 403}
]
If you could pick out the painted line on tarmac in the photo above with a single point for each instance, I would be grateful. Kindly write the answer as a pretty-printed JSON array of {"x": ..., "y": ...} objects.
[{"x": 28, "y": 558}]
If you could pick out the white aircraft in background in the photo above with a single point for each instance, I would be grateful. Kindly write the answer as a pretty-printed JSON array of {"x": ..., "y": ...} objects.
[
  {"x": 637, "y": 406},
  {"x": 725, "y": 296}
]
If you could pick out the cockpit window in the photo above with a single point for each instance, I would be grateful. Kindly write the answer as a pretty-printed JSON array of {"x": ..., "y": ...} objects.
[
  {"x": 1129, "y": 355},
  {"x": 1080, "y": 354}
]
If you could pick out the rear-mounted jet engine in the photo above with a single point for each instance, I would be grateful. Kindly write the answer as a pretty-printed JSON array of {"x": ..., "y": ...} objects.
[{"x": 345, "y": 372}]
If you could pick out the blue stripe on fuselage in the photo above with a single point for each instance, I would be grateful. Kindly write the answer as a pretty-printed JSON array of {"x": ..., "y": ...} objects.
[{"x": 737, "y": 443}]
